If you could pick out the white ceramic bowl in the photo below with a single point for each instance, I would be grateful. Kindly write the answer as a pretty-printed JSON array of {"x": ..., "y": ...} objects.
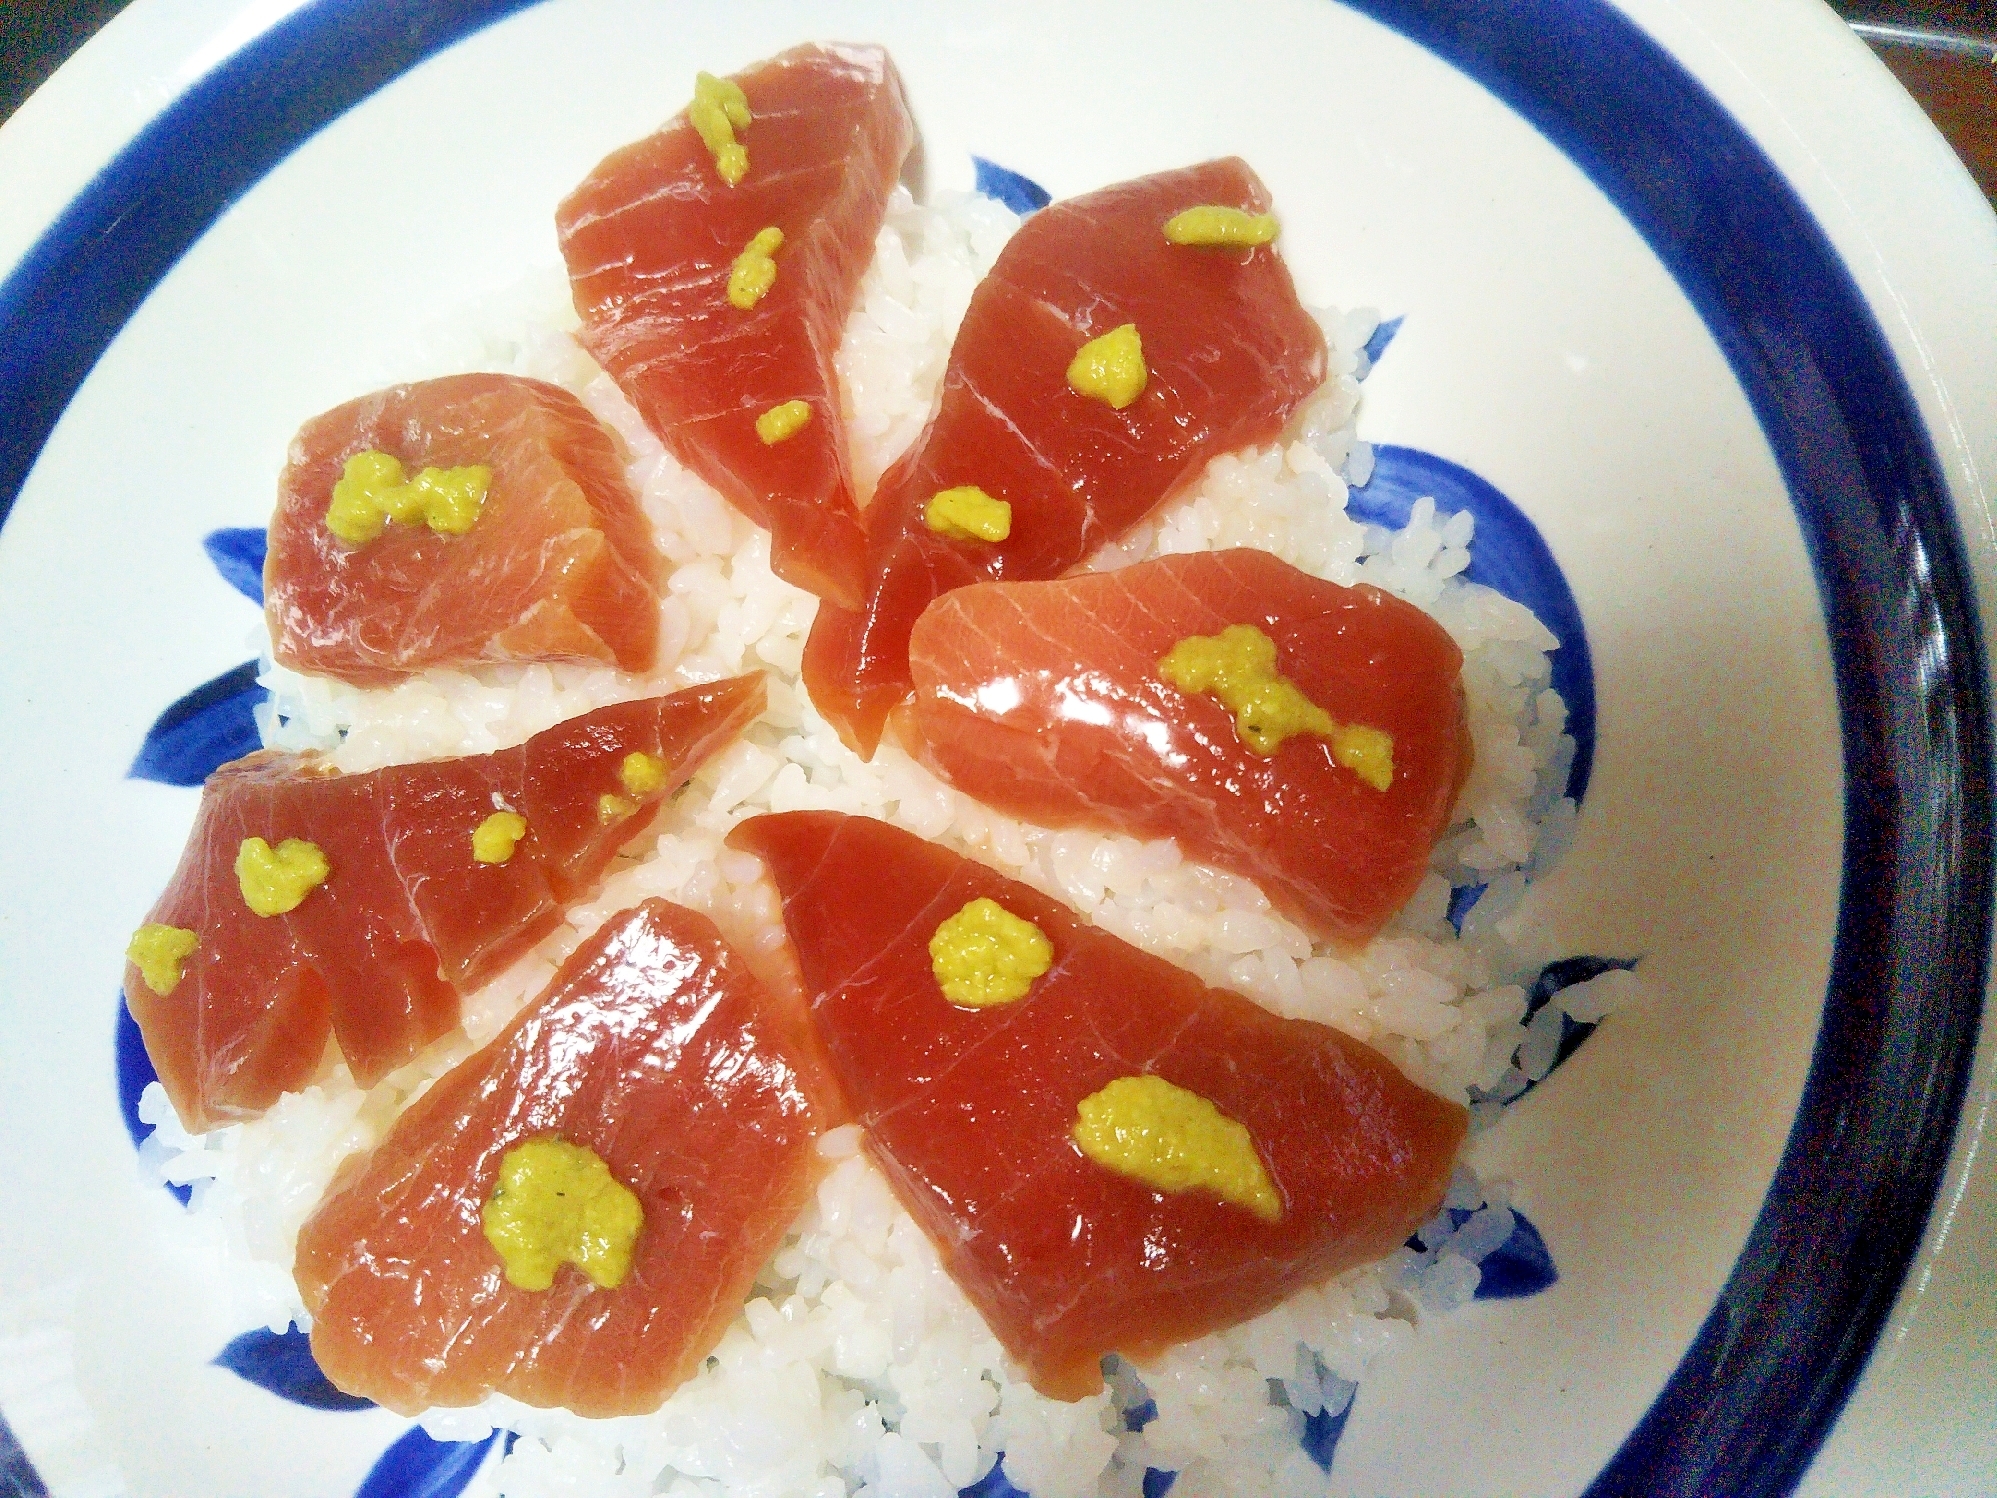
[{"x": 1693, "y": 283}]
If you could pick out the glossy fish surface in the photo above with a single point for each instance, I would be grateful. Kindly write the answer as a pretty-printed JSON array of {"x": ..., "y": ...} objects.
[
  {"x": 408, "y": 917},
  {"x": 650, "y": 239},
  {"x": 655, "y": 1048},
  {"x": 971, "y": 1111},
  {"x": 1046, "y": 700},
  {"x": 1229, "y": 354},
  {"x": 560, "y": 564}
]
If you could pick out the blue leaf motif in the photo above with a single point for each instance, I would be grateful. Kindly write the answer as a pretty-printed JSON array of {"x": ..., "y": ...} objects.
[
  {"x": 1021, "y": 194},
  {"x": 1552, "y": 978},
  {"x": 994, "y": 1484},
  {"x": 1518, "y": 1267},
  {"x": 1157, "y": 1484},
  {"x": 418, "y": 1467},
  {"x": 1377, "y": 344},
  {"x": 1509, "y": 555},
  {"x": 282, "y": 1363},
  {"x": 238, "y": 554},
  {"x": 211, "y": 725},
  {"x": 135, "y": 1075},
  {"x": 1321, "y": 1433}
]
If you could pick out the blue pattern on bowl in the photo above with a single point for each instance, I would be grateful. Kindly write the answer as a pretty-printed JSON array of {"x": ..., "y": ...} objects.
[
  {"x": 417, "y": 1466},
  {"x": 238, "y": 554},
  {"x": 202, "y": 731},
  {"x": 1021, "y": 194},
  {"x": 282, "y": 1362}
]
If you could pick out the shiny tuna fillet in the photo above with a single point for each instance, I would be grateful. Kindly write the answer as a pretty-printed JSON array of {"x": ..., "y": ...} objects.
[
  {"x": 974, "y": 1112},
  {"x": 1229, "y": 355},
  {"x": 656, "y": 1049},
  {"x": 559, "y": 563},
  {"x": 652, "y": 237},
  {"x": 407, "y": 915},
  {"x": 1047, "y": 701}
]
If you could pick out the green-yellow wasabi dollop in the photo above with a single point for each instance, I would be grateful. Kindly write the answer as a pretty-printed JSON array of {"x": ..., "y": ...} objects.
[
  {"x": 497, "y": 836},
  {"x": 779, "y": 422},
  {"x": 967, "y": 513},
  {"x": 371, "y": 491},
  {"x": 719, "y": 109},
  {"x": 1238, "y": 666},
  {"x": 1212, "y": 223},
  {"x": 985, "y": 955},
  {"x": 1110, "y": 368},
  {"x": 276, "y": 880},
  {"x": 1171, "y": 1139},
  {"x": 755, "y": 269},
  {"x": 157, "y": 952},
  {"x": 557, "y": 1203},
  {"x": 642, "y": 774}
]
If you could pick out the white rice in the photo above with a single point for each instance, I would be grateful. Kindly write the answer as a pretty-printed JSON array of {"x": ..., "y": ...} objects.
[{"x": 858, "y": 1365}]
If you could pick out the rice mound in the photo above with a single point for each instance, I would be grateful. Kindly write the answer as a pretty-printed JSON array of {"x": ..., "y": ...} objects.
[{"x": 858, "y": 1365}]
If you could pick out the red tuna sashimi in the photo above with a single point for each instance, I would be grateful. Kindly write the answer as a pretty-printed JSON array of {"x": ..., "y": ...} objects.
[
  {"x": 653, "y": 1047},
  {"x": 408, "y": 918},
  {"x": 969, "y": 1111},
  {"x": 1230, "y": 355},
  {"x": 650, "y": 238},
  {"x": 1046, "y": 701},
  {"x": 559, "y": 565}
]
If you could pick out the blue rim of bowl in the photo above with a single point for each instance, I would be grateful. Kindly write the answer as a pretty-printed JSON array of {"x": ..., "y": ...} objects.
[{"x": 1767, "y": 1373}]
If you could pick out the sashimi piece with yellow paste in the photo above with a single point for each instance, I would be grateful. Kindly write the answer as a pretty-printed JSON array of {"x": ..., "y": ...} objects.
[
  {"x": 1321, "y": 759},
  {"x": 473, "y": 518},
  {"x": 574, "y": 1215},
  {"x": 714, "y": 265},
  {"x": 1109, "y": 1155},
  {"x": 1098, "y": 369},
  {"x": 310, "y": 904}
]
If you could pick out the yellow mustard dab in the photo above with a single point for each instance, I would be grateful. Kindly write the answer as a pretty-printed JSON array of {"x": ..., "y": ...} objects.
[
  {"x": 557, "y": 1203},
  {"x": 1174, "y": 1140},
  {"x": 497, "y": 836},
  {"x": 985, "y": 955},
  {"x": 1110, "y": 368},
  {"x": 754, "y": 271},
  {"x": 157, "y": 952},
  {"x": 967, "y": 513},
  {"x": 1238, "y": 666},
  {"x": 719, "y": 109},
  {"x": 642, "y": 773},
  {"x": 371, "y": 491},
  {"x": 277, "y": 880},
  {"x": 1211, "y": 223},
  {"x": 782, "y": 421},
  {"x": 611, "y": 808}
]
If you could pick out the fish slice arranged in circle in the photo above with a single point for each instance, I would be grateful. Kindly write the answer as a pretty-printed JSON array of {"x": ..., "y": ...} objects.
[
  {"x": 1055, "y": 702},
  {"x": 701, "y": 1094},
  {"x": 389, "y": 893},
  {"x": 1211, "y": 338},
  {"x": 514, "y": 537},
  {"x": 714, "y": 265},
  {"x": 1109, "y": 1155}
]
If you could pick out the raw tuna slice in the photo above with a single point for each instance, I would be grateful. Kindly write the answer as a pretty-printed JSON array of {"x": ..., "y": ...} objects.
[
  {"x": 407, "y": 917},
  {"x": 971, "y": 1111},
  {"x": 651, "y": 237},
  {"x": 655, "y": 1048},
  {"x": 1229, "y": 354},
  {"x": 1046, "y": 700},
  {"x": 558, "y": 565}
]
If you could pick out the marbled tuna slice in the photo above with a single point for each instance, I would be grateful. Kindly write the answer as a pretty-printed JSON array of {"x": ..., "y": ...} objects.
[
  {"x": 1230, "y": 354},
  {"x": 1046, "y": 701},
  {"x": 655, "y": 1048},
  {"x": 970, "y": 1111},
  {"x": 377, "y": 955},
  {"x": 650, "y": 238},
  {"x": 559, "y": 565}
]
